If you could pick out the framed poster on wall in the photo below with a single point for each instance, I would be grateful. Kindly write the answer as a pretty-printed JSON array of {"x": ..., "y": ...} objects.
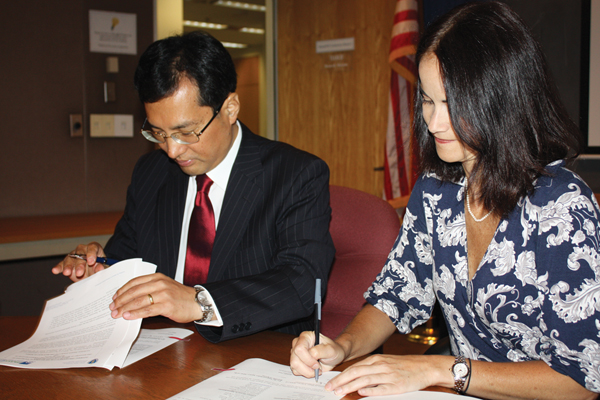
[{"x": 113, "y": 32}]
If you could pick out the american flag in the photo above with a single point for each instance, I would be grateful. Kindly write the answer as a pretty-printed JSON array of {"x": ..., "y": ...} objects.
[{"x": 399, "y": 164}]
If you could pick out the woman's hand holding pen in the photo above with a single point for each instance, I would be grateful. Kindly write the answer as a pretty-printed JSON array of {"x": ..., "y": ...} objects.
[
  {"x": 306, "y": 357},
  {"x": 77, "y": 269},
  {"x": 373, "y": 376}
]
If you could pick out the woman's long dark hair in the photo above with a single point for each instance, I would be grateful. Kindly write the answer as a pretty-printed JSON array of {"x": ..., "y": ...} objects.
[{"x": 502, "y": 103}]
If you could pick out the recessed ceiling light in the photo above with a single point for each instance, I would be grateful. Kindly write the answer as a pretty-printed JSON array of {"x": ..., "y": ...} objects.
[
  {"x": 253, "y": 30},
  {"x": 239, "y": 4},
  {"x": 204, "y": 25},
  {"x": 234, "y": 45}
]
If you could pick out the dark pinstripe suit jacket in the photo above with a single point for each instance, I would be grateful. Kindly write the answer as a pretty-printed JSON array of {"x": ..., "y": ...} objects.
[{"x": 272, "y": 240}]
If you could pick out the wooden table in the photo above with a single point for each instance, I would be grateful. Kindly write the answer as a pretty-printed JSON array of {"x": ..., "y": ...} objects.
[{"x": 158, "y": 376}]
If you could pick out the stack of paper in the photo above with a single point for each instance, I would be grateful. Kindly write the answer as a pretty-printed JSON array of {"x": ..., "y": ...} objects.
[{"x": 76, "y": 329}]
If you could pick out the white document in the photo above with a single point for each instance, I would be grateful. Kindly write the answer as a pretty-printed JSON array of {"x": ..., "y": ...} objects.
[
  {"x": 423, "y": 395},
  {"x": 152, "y": 340},
  {"x": 257, "y": 379},
  {"x": 76, "y": 329}
]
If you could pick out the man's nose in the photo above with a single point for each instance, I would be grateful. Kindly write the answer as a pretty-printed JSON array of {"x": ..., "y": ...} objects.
[{"x": 172, "y": 148}]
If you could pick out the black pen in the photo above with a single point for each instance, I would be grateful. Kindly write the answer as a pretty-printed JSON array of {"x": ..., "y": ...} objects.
[
  {"x": 101, "y": 260},
  {"x": 317, "y": 318}
]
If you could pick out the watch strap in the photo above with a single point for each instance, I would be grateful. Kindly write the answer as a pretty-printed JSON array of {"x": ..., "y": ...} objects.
[{"x": 206, "y": 307}]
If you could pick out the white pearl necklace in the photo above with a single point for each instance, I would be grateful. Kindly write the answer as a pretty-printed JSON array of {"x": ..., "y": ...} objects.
[{"x": 471, "y": 212}]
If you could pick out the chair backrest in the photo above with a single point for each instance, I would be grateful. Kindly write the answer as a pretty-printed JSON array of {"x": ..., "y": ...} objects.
[{"x": 364, "y": 228}]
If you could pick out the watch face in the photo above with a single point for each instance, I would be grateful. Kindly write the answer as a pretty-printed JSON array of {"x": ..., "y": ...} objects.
[
  {"x": 201, "y": 296},
  {"x": 460, "y": 370}
]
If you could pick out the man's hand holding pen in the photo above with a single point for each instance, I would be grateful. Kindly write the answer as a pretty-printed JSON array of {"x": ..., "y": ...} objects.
[
  {"x": 78, "y": 268},
  {"x": 101, "y": 260}
]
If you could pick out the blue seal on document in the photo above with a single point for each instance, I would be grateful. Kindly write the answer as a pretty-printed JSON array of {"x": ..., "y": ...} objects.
[{"x": 94, "y": 361}]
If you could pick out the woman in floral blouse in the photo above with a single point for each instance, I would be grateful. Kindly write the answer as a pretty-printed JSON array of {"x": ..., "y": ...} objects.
[{"x": 497, "y": 230}]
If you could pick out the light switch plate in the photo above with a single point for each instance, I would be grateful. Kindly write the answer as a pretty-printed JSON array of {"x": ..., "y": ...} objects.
[
  {"x": 110, "y": 92},
  {"x": 111, "y": 125},
  {"x": 102, "y": 125},
  {"x": 112, "y": 65},
  {"x": 123, "y": 125}
]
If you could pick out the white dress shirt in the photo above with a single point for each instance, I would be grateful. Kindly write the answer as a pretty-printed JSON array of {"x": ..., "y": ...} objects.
[{"x": 220, "y": 176}]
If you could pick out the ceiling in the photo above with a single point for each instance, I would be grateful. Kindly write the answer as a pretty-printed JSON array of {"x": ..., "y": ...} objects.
[{"x": 235, "y": 18}]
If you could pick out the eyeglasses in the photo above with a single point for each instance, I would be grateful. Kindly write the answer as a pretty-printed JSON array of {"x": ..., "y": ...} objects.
[{"x": 179, "y": 137}]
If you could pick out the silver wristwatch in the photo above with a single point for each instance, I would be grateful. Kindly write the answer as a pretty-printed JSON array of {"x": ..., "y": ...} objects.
[
  {"x": 460, "y": 371},
  {"x": 206, "y": 307}
]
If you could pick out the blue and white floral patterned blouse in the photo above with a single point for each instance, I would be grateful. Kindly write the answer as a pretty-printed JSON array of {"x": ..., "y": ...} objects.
[{"x": 536, "y": 293}]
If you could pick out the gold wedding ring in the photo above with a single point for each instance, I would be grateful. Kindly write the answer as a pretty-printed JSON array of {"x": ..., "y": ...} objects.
[{"x": 151, "y": 299}]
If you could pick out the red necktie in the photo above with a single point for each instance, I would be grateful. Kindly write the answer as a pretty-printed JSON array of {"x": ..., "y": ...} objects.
[{"x": 201, "y": 235}]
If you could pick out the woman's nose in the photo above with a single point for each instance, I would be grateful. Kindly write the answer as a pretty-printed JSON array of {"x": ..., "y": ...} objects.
[{"x": 439, "y": 120}]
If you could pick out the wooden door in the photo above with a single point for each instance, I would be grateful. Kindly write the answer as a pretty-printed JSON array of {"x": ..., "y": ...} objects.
[{"x": 338, "y": 113}]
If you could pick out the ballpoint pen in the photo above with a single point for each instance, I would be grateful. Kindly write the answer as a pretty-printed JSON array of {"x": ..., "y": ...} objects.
[
  {"x": 317, "y": 318},
  {"x": 101, "y": 260}
]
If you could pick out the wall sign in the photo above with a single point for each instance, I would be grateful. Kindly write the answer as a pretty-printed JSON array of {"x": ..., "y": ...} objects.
[
  {"x": 336, "y": 53},
  {"x": 113, "y": 32},
  {"x": 335, "y": 45}
]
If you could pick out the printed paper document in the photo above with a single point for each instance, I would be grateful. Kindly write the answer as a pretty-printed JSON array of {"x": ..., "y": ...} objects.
[
  {"x": 152, "y": 340},
  {"x": 258, "y": 379},
  {"x": 424, "y": 395},
  {"x": 76, "y": 329}
]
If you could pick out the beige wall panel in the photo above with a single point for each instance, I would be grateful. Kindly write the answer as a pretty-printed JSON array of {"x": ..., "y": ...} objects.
[
  {"x": 248, "y": 92},
  {"x": 338, "y": 114}
]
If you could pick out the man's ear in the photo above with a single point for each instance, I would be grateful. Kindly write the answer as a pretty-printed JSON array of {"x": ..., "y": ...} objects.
[{"x": 232, "y": 107}]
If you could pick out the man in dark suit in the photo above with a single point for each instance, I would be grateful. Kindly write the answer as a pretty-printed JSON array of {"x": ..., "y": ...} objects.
[{"x": 270, "y": 203}]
